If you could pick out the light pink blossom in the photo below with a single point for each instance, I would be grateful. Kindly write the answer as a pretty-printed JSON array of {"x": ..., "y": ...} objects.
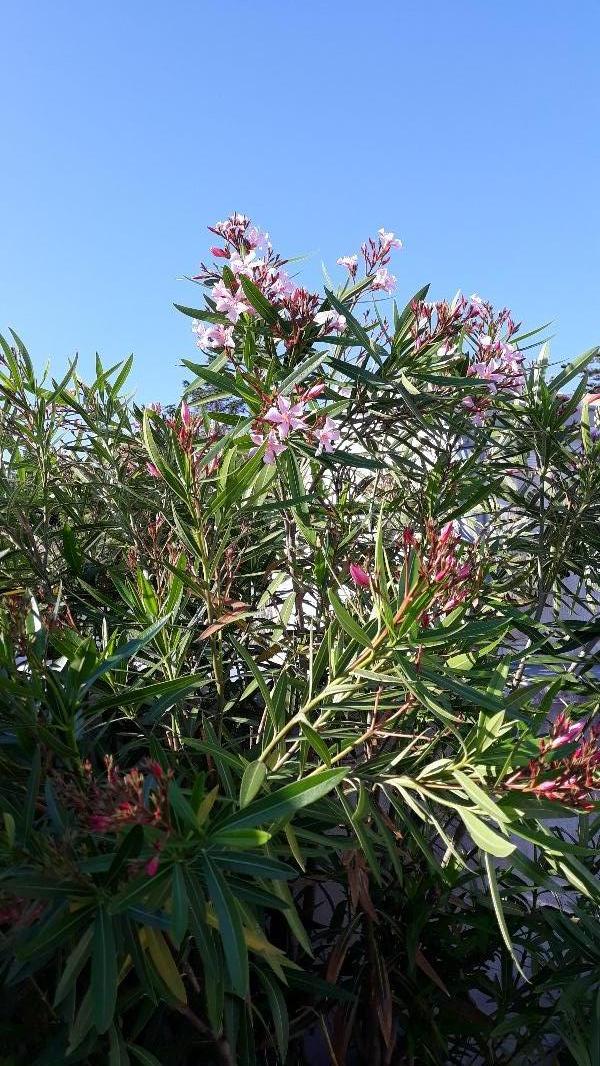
[
  {"x": 256, "y": 238},
  {"x": 244, "y": 264},
  {"x": 330, "y": 322},
  {"x": 287, "y": 416},
  {"x": 327, "y": 435},
  {"x": 152, "y": 470},
  {"x": 231, "y": 305},
  {"x": 350, "y": 262},
  {"x": 383, "y": 280},
  {"x": 388, "y": 240},
  {"x": 274, "y": 448},
  {"x": 217, "y": 336}
]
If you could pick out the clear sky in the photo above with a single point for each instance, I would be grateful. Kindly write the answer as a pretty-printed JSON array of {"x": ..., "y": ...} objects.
[{"x": 470, "y": 127}]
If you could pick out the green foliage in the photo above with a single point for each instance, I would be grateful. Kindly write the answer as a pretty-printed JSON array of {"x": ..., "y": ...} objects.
[{"x": 247, "y": 800}]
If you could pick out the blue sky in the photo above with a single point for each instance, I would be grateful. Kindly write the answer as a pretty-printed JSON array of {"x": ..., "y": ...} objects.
[{"x": 470, "y": 128}]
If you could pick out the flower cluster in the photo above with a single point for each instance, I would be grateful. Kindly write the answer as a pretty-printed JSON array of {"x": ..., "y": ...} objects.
[
  {"x": 491, "y": 356},
  {"x": 376, "y": 257},
  {"x": 248, "y": 253},
  {"x": 119, "y": 799},
  {"x": 570, "y": 779},
  {"x": 286, "y": 415},
  {"x": 446, "y": 562},
  {"x": 188, "y": 428}
]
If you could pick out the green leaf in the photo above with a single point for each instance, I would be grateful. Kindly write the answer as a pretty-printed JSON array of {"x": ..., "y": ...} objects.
[
  {"x": 128, "y": 849},
  {"x": 173, "y": 481},
  {"x": 259, "y": 302},
  {"x": 253, "y": 865},
  {"x": 287, "y": 800},
  {"x": 73, "y": 966},
  {"x": 347, "y": 622},
  {"x": 143, "y": 1056},
  {"x": 279, "y": 1011},
  {"x": 316, "y": 742},
  {"x": 484, "y": 837},
  {"x": 497, "y": 904},
  {"x": 33, "y": 787},
  {"x": 54, "y": 933},
  {"x": 179, "y": 909},
  {"x": 104, "y": 971},
  {"x": 252, "y": 781},
  {"x": 230, "y": 928}
]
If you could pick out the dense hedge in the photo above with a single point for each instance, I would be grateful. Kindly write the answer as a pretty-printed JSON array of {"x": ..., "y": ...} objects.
[{"x": 298, "y": 689}]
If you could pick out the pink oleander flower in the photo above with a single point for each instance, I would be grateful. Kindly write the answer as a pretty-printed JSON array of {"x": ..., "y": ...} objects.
[
  {"x": 152, "y": 470},
  {"x": 244, "y": 264},
  {"x": 383, "y": 280},
  {"x": 359, "y": 576},
  {"x": 287, "y": 416},
  {"x": 219, "y": 253},
  {"x": 350, "y": 262},
  {"x": 330, "y": 322},
  {"x": 279, "y": 285},
  {"x": 274, "y": 448},
  {"x": 327, "y": 435},
  {"x": 256, "y": 238},
  {"x": 217, "y": 336},
  {"x": 388, "y": 241},
  {"x": 231, "y": 305}
]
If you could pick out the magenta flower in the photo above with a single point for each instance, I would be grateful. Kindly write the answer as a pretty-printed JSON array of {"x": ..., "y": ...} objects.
[
  {"x": 287, "y": 416},
  {"x": 219, "y": 253},
  {"x": 152, "y": 470},
  {"x": 152, "y": 866},
  {"x": 186, "y": 415},
  {"x": 569, "y": 731},
  {"x": 327, "y": 435},
  {"x": 383, "y": 280},
  {"x": 359, "y": 576}
]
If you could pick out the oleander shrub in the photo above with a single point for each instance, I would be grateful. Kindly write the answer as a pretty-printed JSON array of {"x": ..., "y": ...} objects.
[{"x": 299, "y": 688}]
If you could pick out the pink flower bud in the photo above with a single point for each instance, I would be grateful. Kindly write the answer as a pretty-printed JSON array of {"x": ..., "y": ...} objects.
[
  {"x": 314, "y": 391},
  {"x": 219, "y": 253},
  {"x": 152, "y": 866},
  {"x": 152, "y": 470},
  {"x": 441, "y": 574},
  {"x": 359, "y": 576},
  {"x": 447, "y": 532},
  {"x": 186, "y": 414},
  {"x": 99, "y": 823},
  {"x": 408, "y": 537}
]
